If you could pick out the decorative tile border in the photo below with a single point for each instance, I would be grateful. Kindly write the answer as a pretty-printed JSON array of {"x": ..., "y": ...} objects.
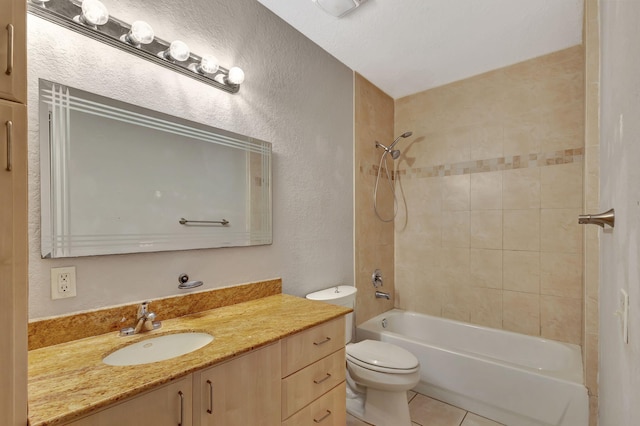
[
  {"x": 61, "y": 329},
  {"x": 543, "y": 159}
]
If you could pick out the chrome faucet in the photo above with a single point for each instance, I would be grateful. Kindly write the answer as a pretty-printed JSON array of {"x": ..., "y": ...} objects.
[
  {"x": 144, "y": 321},
  {"x": 382, "y": 295}
]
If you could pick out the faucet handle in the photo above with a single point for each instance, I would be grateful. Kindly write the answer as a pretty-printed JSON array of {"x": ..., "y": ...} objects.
[{"x": 143, "y": 309}]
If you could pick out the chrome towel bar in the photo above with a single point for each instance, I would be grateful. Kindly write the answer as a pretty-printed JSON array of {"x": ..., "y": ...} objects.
[{"x": 184, "y": 221}]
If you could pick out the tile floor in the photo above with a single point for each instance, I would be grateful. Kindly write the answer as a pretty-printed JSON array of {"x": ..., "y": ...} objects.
[{"x": 427, "y": 411}]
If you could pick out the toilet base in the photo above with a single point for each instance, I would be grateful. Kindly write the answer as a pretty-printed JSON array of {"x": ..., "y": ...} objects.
[{"x": 380, "y": 408}]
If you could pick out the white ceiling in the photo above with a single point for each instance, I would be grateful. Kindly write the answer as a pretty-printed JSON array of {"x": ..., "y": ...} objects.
[{"x": 407, "y": 46}]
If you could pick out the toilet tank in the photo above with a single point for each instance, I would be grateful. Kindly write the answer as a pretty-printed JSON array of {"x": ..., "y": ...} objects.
[{"x": 342, "y": 295}]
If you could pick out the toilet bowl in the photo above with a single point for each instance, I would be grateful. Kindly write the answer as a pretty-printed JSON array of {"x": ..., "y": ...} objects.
[{"x": 379, "y": 374}]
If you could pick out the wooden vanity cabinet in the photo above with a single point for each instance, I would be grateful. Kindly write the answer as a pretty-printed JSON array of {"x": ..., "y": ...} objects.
[
  {"x": 297, "y": 381},
  {"x": 313, "y": 376},
  {"x": 239, "y": 392},
  {"x": 167, "y": 405}
]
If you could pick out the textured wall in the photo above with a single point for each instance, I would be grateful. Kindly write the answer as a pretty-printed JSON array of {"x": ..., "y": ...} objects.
[
  {"x": 619, "y": 379},
  {"x": 374, "y": 238},
  {"x": 295, "y": 95},
  {"x": 493, "y": 183}
]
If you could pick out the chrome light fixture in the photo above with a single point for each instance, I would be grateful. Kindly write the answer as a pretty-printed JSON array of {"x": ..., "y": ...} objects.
[
  {"x": 139, "y": 33},
  {"x": 177, "y": 51},
  {"x": 91, "y": 18},
  {"x": 94, "y": 13}
]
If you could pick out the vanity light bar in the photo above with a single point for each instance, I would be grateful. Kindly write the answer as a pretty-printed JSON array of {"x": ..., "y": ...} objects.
[{"x": 118, "y": 34}]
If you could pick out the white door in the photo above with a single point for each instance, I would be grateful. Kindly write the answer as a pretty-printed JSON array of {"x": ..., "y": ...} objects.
[{"x": 619, "y": 379}]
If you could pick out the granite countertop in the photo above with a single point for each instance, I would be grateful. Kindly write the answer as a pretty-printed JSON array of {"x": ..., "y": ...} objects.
[{"x": 70, "y": 380}]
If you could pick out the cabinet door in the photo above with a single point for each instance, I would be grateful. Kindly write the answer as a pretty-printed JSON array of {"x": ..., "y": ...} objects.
[
  {"x": 13, "y": 263},
  {"x": 244, "y": 391},
  {"x": 13, "y": 50},
  {"x": 168, "y": 405}
]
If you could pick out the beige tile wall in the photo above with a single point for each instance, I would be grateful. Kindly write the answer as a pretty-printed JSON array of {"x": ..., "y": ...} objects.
[
  {"x": 492, "y": 178},
  {"x": 374, "y": 239},
  {"x": 591, "y": 203}
]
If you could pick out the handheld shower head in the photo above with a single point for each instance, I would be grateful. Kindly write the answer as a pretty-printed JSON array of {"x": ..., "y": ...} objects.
[
  {"x": 395, "y": 153},
  {"x": 404, "y": 135}
]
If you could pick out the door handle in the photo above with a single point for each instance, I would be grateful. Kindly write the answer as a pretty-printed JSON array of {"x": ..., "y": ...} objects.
[
  {"x": 602, "y": 219},
  {"x": 10, "y": 37},
  {"x": 9, "y": 126}
]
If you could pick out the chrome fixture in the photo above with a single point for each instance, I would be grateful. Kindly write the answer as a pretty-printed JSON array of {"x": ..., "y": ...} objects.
[
  {"x": 139, "y": 33},
  {"x": 395, "y": 154},
  {"x": 93, "y": 13},
  {"x": 183, "y": 221},
  {"x": 144, "y": 321},
  {"x": 183, "y": 279},
  {"x": 376, "y": 278},
  {"x": 602, "y": 219},
  {"x": 91, "y": 18},
  {"x": 382, "y": 295}
]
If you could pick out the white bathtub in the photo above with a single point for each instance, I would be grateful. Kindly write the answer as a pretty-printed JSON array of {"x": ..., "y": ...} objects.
[{"x": 511, "y": 378}]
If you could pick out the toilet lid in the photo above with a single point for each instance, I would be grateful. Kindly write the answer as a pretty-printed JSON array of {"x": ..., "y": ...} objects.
[{"x": 381, "y": 355}]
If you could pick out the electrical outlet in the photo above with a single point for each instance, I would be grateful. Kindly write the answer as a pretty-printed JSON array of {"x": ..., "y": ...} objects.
[{"x": 63, "y": 282}]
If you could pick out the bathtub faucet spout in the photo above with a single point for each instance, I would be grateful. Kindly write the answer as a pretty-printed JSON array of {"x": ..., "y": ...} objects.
[{"x": 382, "y": 295}]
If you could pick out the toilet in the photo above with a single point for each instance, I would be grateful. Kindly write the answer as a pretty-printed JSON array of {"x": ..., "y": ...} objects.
[{"x": 379, "y": 374}]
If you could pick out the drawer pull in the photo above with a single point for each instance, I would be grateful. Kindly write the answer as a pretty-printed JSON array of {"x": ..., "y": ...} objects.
[
  {"x": 10, "y": 31},
  {"x": 327, "y": 414},
  {"x": 318, "y": 381},
  {"x": 322, "y": 342},
  {"x": 9, "y": 125},
  {"x": 181, "y": 408},
  {"x": 210, "y": 409}
]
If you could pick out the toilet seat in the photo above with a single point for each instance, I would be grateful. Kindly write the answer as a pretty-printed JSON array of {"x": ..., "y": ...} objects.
[{"x": 383, "y": 357}]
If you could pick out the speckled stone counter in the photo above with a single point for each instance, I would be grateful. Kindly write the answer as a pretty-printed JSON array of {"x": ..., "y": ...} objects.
[{"x": 69, "y": 380}]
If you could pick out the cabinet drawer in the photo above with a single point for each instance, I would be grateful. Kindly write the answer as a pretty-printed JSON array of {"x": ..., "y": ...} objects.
[
  {"x": 308, "y": 346},
  {"x": 328, "y": 410},
  {"x": 300, "y": 388}
]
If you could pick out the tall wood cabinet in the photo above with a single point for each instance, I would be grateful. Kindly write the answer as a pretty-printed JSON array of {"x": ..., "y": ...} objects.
[{"x": 13, "y": 213}]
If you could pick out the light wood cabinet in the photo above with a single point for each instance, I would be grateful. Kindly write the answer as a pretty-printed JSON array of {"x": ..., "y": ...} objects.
[
  {"x": 13, "y": 213},
  {"x": 13, "y": 52},
  {"x": 243, "y": 391},
  {"x": 167, "y": 405},
  {"x": 308, "y": 384},
  {"x": 313, "y": 376},
  {"x": 310, "y": 345},
  {"x": 252, "y": 389},
  {"x": 329, "y": 409}
]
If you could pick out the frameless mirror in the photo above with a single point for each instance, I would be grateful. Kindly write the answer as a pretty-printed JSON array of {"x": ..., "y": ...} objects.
[{"x": 118, "y": 178}]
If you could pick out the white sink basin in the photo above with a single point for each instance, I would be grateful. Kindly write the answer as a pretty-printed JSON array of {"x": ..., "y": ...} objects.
[{"x": 158, "y": 348}]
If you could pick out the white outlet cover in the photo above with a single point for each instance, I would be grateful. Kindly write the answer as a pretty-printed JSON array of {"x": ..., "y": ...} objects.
[{"x": 55, "y": 274}]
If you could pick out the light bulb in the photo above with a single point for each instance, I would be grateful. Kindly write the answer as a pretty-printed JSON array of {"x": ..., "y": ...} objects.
[
  {"x": 236, "y": 76},
  {"x": 177, "y": 51},
  {"x": 208, "y": 64},
  {"x": 94, "y": 12},
  {"x": 140, "y": 33}
]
